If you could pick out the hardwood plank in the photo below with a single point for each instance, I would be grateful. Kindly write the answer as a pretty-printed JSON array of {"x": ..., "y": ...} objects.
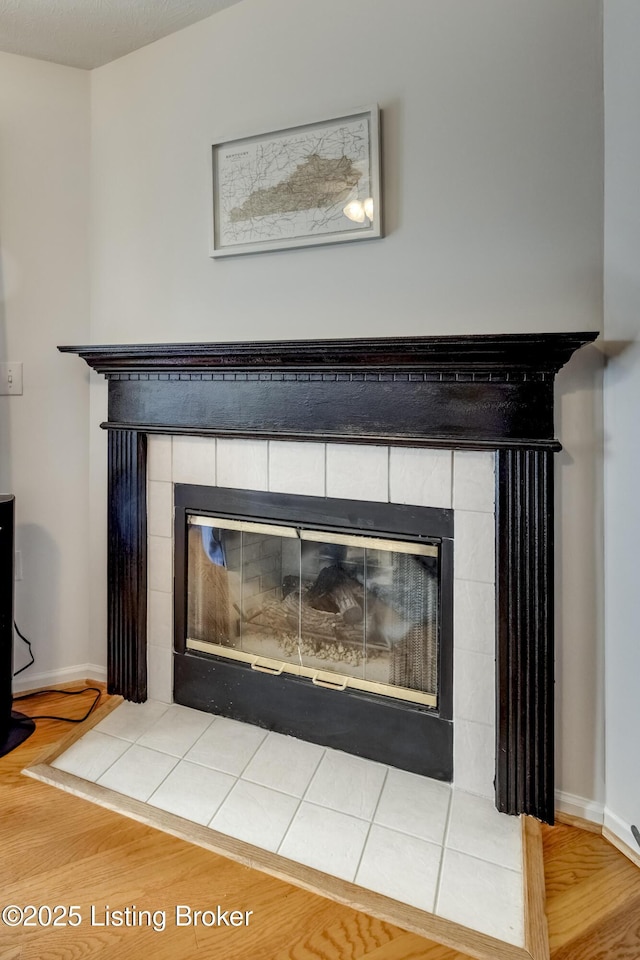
[
  {"x": 572, "y": 821},
  {"x": 593, "y": 897},
  {"x": 617, "y": 936},
  {"x": 536, "y": 931}
]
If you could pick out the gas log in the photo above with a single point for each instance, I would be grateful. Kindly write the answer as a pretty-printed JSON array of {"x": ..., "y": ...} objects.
[{"x": 335, "y": 591}]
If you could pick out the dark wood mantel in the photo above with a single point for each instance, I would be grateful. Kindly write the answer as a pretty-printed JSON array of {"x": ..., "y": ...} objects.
[
  {"x": 458, "y": 392},
  {"x": 475, "y": 392}
]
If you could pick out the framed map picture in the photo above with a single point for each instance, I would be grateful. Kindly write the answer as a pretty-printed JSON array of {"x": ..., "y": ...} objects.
[{"x": 312, "y": 184}]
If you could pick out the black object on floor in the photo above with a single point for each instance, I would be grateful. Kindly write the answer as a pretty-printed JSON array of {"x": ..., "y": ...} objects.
[{"x": 20, "y": 729}]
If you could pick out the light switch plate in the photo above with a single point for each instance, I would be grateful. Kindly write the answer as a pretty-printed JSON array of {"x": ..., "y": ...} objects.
[{"x": 11, "y": 378}]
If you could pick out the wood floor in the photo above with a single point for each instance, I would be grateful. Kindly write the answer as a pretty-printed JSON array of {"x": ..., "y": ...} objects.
[{"x": 58, "y": 849}]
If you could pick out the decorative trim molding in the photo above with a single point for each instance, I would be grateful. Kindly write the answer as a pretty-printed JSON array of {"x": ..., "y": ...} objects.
[
  {"x": 435, "y": 376},
  {"x": 80, "y": 672},
  {"x": 127, "y": 565},
  {"x": 576, "y": 807},
  {"x": 618, "y": 832},
  {"x": 524, "y": 628},
  {"x": 489, "y": 353}
]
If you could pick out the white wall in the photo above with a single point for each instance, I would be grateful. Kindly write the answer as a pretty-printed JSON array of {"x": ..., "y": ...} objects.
[
  {"x": 492, "y": 127},
  {"x": 622, "y": 404},
  {"x": 44, "y": 301}
]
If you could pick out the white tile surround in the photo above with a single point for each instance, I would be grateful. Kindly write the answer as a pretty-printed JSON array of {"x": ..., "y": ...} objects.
[
  {"x": 415, "y": 840},
  {"x": 463, "y": 481}
]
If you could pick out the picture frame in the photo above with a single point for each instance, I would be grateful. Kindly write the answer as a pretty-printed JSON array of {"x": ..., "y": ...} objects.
[{"x": 312, "y": 184}]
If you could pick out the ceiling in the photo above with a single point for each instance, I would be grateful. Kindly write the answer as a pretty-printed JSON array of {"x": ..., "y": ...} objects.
[{"x": 89, "y": 33}]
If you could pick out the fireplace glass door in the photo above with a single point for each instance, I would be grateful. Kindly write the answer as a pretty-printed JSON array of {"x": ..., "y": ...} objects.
[{"x": 342, "y": 610}]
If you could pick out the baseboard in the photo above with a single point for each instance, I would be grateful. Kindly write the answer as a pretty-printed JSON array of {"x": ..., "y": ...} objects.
[
  {"x": 579, "y": 807},
  {"x": 34, "y": 681},
  {"x": 618, "y": 832}
]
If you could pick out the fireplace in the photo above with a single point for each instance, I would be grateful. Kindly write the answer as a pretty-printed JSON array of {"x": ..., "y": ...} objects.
[
  {"x": 487, "y": 393},
  {"x": 326, "y": 619}
]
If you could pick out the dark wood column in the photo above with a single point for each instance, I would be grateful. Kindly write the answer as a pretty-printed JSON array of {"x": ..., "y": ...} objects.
[
  {"x": 524, "y": 648},
  {"x": 127, "y": 565}
]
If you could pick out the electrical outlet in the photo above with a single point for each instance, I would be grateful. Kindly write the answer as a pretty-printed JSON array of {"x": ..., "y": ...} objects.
[
  {"x": 17, "y": 566},
  {"x": 11, "y": 378}
]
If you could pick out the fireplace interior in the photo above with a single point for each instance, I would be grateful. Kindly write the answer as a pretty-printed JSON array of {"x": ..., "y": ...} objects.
[
  {"x": 334, "y": 599},
  {"x": 362, "y": 609}
]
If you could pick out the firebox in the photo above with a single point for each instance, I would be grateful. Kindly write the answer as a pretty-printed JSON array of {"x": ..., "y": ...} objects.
[{"x": 330, "y": 620}]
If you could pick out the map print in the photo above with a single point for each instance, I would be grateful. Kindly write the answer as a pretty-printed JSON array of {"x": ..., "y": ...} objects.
[{"x": 293, "y": 185}]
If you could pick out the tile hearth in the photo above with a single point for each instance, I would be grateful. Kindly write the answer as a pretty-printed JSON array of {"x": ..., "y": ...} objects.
[{"x": 415, "y": 840}]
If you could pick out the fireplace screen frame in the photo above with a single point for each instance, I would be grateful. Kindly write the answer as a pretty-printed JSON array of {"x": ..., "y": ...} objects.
[{"x": 407, "y": 735}]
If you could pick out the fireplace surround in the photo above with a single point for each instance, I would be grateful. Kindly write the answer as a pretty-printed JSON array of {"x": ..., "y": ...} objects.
[{"x": 458, "y": 393}]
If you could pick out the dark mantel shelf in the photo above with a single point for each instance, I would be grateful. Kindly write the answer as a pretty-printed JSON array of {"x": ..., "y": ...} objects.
[
  {"x": 472, "y": 392},
  {"x": 493, "y": 353}
]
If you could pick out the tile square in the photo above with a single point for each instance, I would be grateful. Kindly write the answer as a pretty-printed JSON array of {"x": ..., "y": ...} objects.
[
  {"x": 138, "y": 772},
  {"x": 474, "y": 480},
  {"x": 420, "y": 477},
  {"x": 474, "y": 553},
  {"x": 401, "y": 867},
  {"x": 159, "y": 508},
  {"x": 358, "y": 472},
  {"x": 130, "y": 720},
  {"x": 227, "y": 745},
  {"x": 297, "y": 467},
  {"x": 284, "y": 763},
  {"x": 474, "y": 686},
  {"x": 474, "y": 757},
  {"x": 243, "y": 463},
  {"x": 177, "y": 730},
  {"x": 91, "y": 756},
  {"x": 482, "y": 896},
  {"x": 414, "y": 805},
  {"x": 192, "y": 791},
  {"x": 256, "y": 815},
  {"x": 194, "y": 460},
  {"x": 348, "y": 784},
  {"x": 158, "y": 457},
  {"x": 160, "y": 673},
  {"x": 161, "y": 564},
  {"x": 326, "y": 840},
  {"x": 477, "y": 828},
  {"x": 474, "y": 616},
  {"x": 160, "y": 619}
]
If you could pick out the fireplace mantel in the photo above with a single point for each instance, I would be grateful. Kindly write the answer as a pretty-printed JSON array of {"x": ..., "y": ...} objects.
[{"x": 462, "y": 392}]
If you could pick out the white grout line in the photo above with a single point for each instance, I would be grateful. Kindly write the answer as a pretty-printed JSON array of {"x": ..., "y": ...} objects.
[
  {"x": 388, "y": 474},
  {"x": 373, "y": 816},
  {"x": 304, "y": 793},
  {"x": 443, "y": 848},
  {"x": 453, "y": 467},
  {"x": 268, "y": 487},
  {"x": 324, "y": 469},
  {"x": 178, "y": 759}
]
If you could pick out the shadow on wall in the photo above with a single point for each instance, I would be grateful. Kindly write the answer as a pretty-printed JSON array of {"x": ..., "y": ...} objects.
[
  {"x": 43, "y": 555},
  {"x": 579, "y": 577},
  {"x": 5, "y": 433}
]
